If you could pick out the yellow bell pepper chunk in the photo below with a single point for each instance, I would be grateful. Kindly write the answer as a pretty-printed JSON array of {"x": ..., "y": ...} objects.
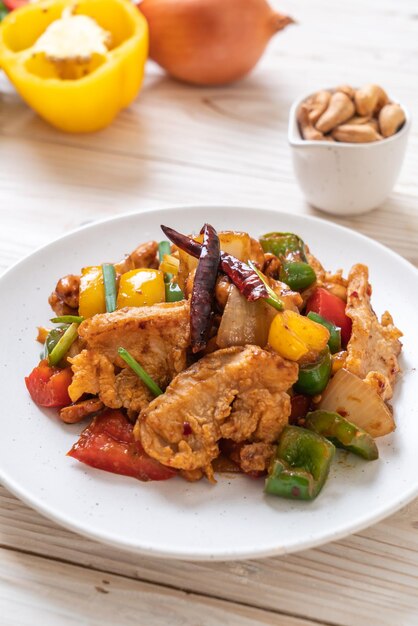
[
  {"x": 76, "y": 94},
  {"x": 313, "y": 334},
  {"x": 292, "y": 335},
  {"x": 140, "y": 288},
  {"x": 92, "y": 292}
]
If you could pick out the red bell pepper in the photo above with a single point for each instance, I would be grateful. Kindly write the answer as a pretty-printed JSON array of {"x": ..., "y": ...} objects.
[
  {"x": 48, "y": 386},
  {"x": 332, "y": 308},
  {"x": 108, "y": 444},
  {"x": 14, "y": 4}
]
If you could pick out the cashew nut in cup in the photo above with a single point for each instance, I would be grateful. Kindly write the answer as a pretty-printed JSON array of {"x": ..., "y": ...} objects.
[
  {"x": 339, "y": 110},
  {"x": 307, "y": 129},
  {"x": 317, "y": 104},
  {"x": 391, "y": 118},
  {"x": 370, "y": 99},
  {"x": 356, "y": 133}
]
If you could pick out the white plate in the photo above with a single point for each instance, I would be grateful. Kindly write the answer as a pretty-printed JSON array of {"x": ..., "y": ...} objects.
[{"x": 176, "y": 519}]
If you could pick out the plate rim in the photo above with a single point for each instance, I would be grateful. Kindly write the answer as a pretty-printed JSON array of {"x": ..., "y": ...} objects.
[{"x": 205, "y": 555}]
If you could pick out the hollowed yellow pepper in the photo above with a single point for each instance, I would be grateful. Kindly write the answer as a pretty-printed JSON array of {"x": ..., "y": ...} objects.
[
  {"x": 99, "y": 87},
  {"x": 293, "y": 336},
  {"x": 141, "y": 287}
]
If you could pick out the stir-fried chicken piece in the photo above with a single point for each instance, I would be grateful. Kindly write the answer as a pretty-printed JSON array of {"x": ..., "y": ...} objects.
[
  {"x": 316, "y": 266},
  {"x": 95, "y": 374},
  {"x": 74, "y": 413},
  {"x": 271, "y": 266},
  {"x": 157, "y": 336},
  {"x": 145, "y": 255},
  {"x": 64, "y": 300},
  {"x": 336, "y": 284},
  {"x": 251, "y": 458},
  {"x": 237, "y": 393},
  {"x": 374, "y": 346},
  {"x": 292, "y": 300},
  {"x": 255, "y": 457}
]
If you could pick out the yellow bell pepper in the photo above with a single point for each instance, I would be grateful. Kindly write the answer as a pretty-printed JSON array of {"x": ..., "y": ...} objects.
[
  {"x": 293, "y": 336},
  {"x": 92, "y": 291},
  {"x": 140, "y": 288},
  {"x": 76, "y": 94}
]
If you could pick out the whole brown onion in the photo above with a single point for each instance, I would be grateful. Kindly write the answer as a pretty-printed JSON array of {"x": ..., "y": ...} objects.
[{"x": 210, "y": 42}]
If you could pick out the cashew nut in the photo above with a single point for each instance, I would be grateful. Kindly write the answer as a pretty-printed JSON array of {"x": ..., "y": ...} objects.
[
  {"x": 391, "y": 118},
  {"x": 347, "y": 89},
  {"x": 357, "y": 119},
  {"x": 370, "y": 99},
  {"x": 307, "y": 129},
  {"x": 339, "y": 110},
  {"x": 356, "y": 133},
  {"x": 317, "y": 104}
]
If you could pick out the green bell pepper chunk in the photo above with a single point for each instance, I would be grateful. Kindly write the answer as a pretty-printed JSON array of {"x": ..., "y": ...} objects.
[
  {"x": 297, "y": 274},
  {"x": 173, "y": 292},
  {"x": 286, "y": 246},
  {"x": 301, "y": 464},
  {"x": 313, "y": 378},
  {"x": 52, "y": 339},
  {"x": 290, "y": 249},
  {"x": 342, "y": 433},
  {"x": 334, "y": 343}
]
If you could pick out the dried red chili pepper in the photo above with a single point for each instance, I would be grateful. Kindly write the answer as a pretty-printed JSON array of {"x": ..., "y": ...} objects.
[
  {"x": 183, "y": 242},
  {"x": 243, "y": 277},
  {"x": 201, "y": 306}
]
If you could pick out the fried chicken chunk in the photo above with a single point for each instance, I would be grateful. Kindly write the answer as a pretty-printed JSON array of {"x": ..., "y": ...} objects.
[
  {"x": 157, "y": 336},
  {"x": 255, "y": 457},
  {"x": 374, "y": 346},
  {"x": 145, "y": 255},
  {"x": 237, "y": 393}
]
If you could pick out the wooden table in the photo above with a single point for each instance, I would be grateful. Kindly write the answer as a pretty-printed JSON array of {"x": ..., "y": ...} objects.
[{"x": 177, "y": 145}]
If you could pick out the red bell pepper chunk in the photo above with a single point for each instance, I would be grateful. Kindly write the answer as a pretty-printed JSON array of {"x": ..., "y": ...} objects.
[
  {"x": 14, "y": 4},
  {"x": 108, "y": 444},
  {"x": 48, "y": 386},
  {"x": 332, "y": 308}
]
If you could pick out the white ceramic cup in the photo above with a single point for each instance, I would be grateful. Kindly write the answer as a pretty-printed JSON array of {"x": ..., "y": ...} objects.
[{"x": 346, "y": 178}]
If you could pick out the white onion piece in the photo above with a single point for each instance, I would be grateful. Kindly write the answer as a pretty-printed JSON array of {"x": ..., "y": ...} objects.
[
  {"x": 358, "y": 402},
  {"x": 244, "y": 322}
]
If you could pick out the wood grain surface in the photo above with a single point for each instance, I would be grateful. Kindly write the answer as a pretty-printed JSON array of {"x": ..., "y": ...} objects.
[{"x": 174, "y": 146}]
